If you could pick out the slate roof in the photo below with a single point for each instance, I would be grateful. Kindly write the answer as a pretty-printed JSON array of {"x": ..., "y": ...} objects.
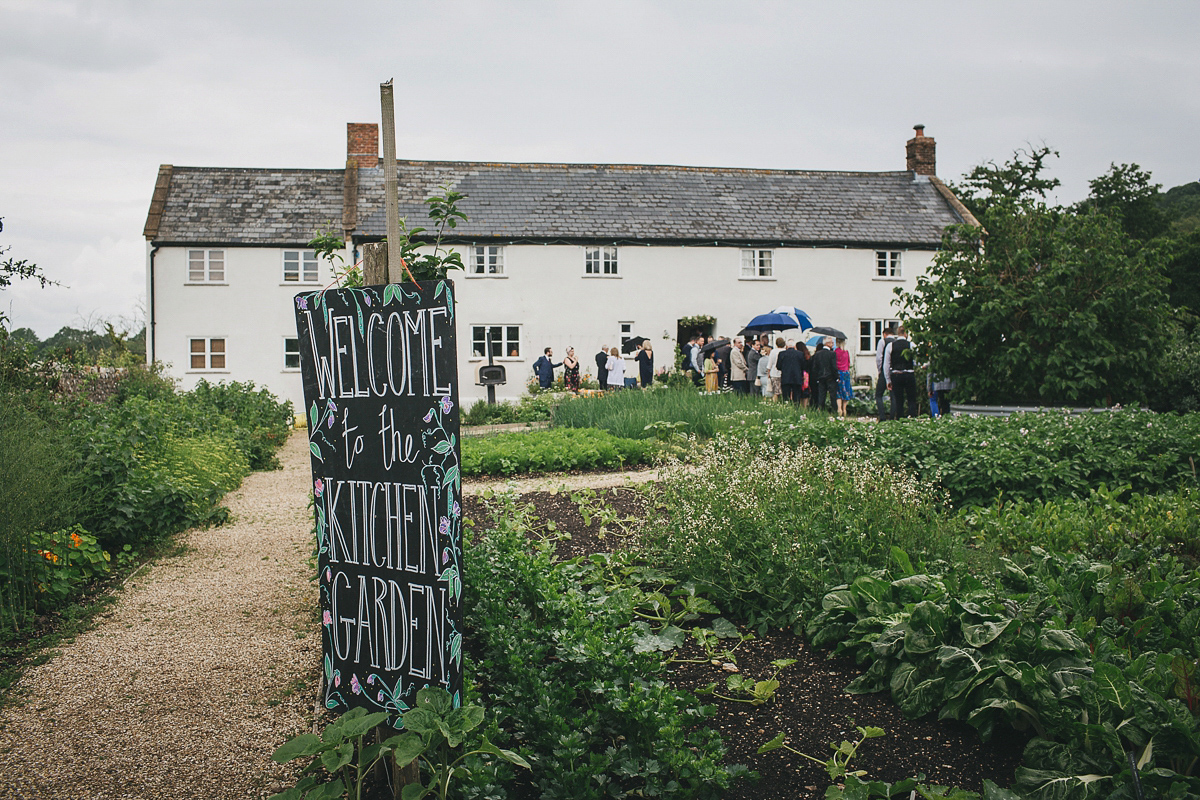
[
  {"x": 566, "y": 203},
  {"x": 570, "y": 202},
  {"x": 216, "y": 205}
]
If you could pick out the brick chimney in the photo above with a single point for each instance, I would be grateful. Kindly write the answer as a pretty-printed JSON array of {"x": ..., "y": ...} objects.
[
  {"x": 362, "y": 144},
  {"x": 922, "y": 153}
]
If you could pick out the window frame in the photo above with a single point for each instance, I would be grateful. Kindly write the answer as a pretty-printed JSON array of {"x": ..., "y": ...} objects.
[
  {"x": 752, "y": 258},
  {"x": 605, "y": 263},
  {"x": 506, "y": 328},
  {"x": 206, "y": 260},
  {"x": 208, "y": 353},
  {"x": 287, "y": 353},
  {"x": 878, "y": 325},
  {"x": 889, "y": 265},
  {"x": 479, "y": 259},
  {"x": 302, "y": 260},
  {"x": 626, "y": 333}
]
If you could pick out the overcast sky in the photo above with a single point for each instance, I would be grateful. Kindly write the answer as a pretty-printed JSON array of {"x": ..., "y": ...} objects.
[{"x": 95, "y": 95}]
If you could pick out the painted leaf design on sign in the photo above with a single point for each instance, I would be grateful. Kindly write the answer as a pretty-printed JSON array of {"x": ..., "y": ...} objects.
[
  {"x": 389, "y": 293},
  {"x": 316, "y": 451},
  {"x": 451, "y": 477},
  {"x": 312, "y": 417},
  {"x": 441, "y": 447}
]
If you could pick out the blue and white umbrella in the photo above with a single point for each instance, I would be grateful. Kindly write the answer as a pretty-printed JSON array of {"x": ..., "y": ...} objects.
[
  {"x": 802, "y": 319},
  {"x": 772, "y": 322}
]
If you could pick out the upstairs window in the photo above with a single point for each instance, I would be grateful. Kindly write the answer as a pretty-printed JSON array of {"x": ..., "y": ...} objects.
[
  {"x": 757, "y": 264},
  {"x": 487, "y": 260},
  {"x": 887, "y": 264},
  {"x": 206, "y": 266},
  {"x": 299, "y": 266},
  {"x": 207, "y": 354},
  {"x": 600, "y": 261},
  {"x": 506, "y": 341}
]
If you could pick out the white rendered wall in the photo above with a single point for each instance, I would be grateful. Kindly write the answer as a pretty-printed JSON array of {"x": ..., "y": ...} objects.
[
  {"x": 544, "y": 290},
  {"x": 252, "y": 310}
]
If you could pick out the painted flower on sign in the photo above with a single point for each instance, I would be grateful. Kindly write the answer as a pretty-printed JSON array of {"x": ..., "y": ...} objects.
[
  {"x": 355, "y": 686},
  {"x": 455, "y": 510},
  {"x": 443, "y": 526},
  {"x": 428, "y": 416},
  {"x": 447, "y": 404},
  {"x": 328, "y": 619},
  {"x": 318, "y": 487},
  {"x": 302, "y": 303}
]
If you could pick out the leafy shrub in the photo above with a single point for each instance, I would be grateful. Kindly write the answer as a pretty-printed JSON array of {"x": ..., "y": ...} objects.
[
  {"x": 550, "y": 451},
  {"x": 261, "y": 422},
  {"x": 766, "y": 529},
  {"x": 1024, "y": 456},
  {"x": 1098, "y": 526},
  {"x": 148, "y": 468},
  {"x": 559, "y": 669},
  {"x": 1097, "y": 658},
  {"x": 66, "y": 561}
]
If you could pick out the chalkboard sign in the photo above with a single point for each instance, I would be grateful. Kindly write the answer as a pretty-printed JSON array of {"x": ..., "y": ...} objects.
[{"x": 380, "y": 377}]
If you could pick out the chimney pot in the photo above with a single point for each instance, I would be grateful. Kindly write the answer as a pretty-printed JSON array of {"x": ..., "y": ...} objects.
[
  {"x": 921, "y": 152},
  {"x": 362, "y": 144}
]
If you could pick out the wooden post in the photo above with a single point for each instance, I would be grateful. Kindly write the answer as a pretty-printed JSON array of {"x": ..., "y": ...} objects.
[
  {"x": 391, "y": 201},
  {"x": 375, "y": 264},
  {"x": 378, "y": 261}
]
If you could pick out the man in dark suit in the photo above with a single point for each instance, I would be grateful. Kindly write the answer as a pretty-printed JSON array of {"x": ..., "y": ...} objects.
[
  {"x": 602, "y": 366},
  {"x": 791, "y": 366},
  {"x": 825, "y": 374}
]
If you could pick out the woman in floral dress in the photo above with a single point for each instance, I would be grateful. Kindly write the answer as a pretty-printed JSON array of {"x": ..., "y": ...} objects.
[{"x": 571, "y": 370}]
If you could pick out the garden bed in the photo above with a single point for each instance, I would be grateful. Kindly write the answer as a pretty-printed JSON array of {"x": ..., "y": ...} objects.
[{"x": 811, "y": 704}]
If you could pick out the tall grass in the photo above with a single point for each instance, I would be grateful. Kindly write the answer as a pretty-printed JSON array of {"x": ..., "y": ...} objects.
[
  {"x": 628, "y": 413},
  {"x": 34, "y": 496}
]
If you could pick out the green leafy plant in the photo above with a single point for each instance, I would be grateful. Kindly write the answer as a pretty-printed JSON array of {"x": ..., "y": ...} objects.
[
  {"x": 838, "y": 765},
  {"x": 444, "y": 211},
  {"x": 743, "y": 689},
  {"x": 434, "y": 735},
  {"x": 329, "y": 246}
]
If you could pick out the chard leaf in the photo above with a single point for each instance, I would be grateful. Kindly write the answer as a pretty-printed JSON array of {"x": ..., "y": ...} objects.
[
  {"x": 984, "y": 632},
  {"x": 1111, "y": 684}
]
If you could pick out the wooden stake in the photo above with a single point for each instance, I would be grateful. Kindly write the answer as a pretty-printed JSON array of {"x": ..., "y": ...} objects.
[
  {"x": 390, "y": 188},
  {"x": 375, "y": 263}
]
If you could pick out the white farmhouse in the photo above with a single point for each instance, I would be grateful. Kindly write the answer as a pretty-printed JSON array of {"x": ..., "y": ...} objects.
[{"x": 557, "y": 255}]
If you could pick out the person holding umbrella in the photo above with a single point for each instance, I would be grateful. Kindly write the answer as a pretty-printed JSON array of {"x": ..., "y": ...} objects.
[{"x": 645, "y": 359}]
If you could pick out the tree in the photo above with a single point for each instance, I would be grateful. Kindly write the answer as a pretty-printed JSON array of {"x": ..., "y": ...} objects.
[
  {"x": 17, "y": 269},
  {"x": 1126, "y": 194},
  {"x": 1058, "y": 309},
  {"x": 1019, "y": 180}
]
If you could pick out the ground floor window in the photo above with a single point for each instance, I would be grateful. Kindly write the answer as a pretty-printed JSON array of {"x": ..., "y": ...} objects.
[
  {"x": 291, "y": 353},
  {"x": 207, "y": 353},
  {"x": 506, "y": 341},
  {"x": 870, "y": 331},
  {"x": 626, "y": 333}
]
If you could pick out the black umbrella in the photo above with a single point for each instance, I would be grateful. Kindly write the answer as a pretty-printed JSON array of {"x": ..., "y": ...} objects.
[
  {"x": 713, "y": 345},
  {"x": 834, "y": 332},
  {"x": 633, "y": 344}
]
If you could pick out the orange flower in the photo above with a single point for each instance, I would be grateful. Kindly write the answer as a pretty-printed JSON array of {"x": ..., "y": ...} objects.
[
  {"x": 53, "y": 559},
  {"x": 76, "y": 540}
]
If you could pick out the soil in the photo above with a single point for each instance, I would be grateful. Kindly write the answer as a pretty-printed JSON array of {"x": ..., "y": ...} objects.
[{"x": 810, "y": 706}]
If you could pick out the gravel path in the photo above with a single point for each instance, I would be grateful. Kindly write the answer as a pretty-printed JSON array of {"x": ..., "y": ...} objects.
[{"x": 206, "y": 664}]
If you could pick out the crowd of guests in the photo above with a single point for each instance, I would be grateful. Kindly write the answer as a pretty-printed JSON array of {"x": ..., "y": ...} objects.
[
  {"x": 610, "y": 367},
  {"x": 784, "y": 370}
]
